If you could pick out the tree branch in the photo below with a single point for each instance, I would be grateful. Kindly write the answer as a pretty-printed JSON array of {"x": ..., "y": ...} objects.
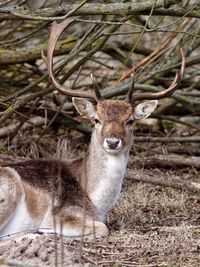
[
  {"x": 34, "y": 52},
  {"x": 120, "y": 9}
]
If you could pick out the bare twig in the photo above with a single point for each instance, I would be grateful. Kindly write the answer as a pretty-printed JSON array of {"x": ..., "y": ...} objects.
[{"x": 156, "y": 52}]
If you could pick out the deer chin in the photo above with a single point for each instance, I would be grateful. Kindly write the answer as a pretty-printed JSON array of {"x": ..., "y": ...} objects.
[{"x": 115, "y": 151}]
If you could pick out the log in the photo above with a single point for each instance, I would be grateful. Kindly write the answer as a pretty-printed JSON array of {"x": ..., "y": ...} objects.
[
  {"x": 33, "y": 122},
  {"x": 173, "y": 139},
  {"x": 15, "y": 263},
  {"x": 168, "y": 161}
]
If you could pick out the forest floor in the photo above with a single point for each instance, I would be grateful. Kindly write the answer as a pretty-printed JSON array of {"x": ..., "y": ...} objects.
[{"x": 150, "y": 226}]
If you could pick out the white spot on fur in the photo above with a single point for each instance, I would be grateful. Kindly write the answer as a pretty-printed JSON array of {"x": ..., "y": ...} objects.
[{"x": 19, "y": 221}]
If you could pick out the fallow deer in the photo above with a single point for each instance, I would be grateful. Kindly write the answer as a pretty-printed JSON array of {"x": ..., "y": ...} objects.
[{"x": 74, "y": 197}]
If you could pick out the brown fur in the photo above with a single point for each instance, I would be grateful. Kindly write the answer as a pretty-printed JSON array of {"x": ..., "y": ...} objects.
[
  {"x": 114, "y": 111},
  {"x": 114, "y": 114},
  {"x": 33, "y": 199},
  {"x": 54, "y": 177}
]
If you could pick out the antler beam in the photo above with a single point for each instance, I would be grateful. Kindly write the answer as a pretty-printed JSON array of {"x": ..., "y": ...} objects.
[
  {"x": 166, "y": 92},
  {"x": 56, "y": 31}
]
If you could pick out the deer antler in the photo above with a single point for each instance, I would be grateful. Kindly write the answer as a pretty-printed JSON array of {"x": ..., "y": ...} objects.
[
  {"x": 131, "y": 89},
  {"x": 166, "y": 92},
  {"x": 96, "y": 88},
  {"x": 56, "y": 30}
]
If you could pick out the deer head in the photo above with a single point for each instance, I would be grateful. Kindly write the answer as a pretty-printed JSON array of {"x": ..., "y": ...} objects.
[{"x": 113, "y": 119}]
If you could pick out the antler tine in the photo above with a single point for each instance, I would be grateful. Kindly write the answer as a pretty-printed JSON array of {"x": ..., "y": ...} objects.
[
  {"x": 56, "y": 31},
  {"x": 131, "y": 89},
  {"x": 169, "y": 90},
  {"x": 96, "y": 88}
]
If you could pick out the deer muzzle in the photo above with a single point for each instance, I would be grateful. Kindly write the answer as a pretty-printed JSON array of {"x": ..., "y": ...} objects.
[{"x": 112, "y": 144}]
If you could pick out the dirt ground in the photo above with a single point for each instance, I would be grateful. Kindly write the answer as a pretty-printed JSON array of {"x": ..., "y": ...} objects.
[{"x": 150, "y": 226}]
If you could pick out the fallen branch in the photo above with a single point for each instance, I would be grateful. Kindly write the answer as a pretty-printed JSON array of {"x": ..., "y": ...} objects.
[
  {"x": 174, "y": 139},
  {"x": 174, "y": 183},
  {"x": 179, "y": 228},
  {"x": 33, "y": 122},
  {"x": 168, "y": 161},
  {"x": 15, "y": 263},
  {"x": 189, "y": 150}
]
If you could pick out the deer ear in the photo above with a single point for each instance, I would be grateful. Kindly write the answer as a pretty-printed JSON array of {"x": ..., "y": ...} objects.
[
  {"x": 84, "y": 107},
  {"x": 145, "y": 109}
]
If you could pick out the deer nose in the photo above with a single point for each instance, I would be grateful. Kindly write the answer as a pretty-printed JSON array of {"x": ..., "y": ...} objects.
[{"x": 113, "y": 143}]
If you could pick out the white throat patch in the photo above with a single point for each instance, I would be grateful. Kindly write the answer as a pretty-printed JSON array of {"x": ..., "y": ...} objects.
[{"x": 109, "y": 185}]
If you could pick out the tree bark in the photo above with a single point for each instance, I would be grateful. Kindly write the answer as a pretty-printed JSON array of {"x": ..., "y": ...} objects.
[
  {"x": 173, "y": 139},
  {"x": 34, "y": 52},
  {"x": 168, "y": 161}
]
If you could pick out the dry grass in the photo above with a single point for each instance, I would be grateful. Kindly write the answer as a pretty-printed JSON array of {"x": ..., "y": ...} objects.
[
  {"x": 150, "y": 226},
  {"x": 142, "y": 204}
]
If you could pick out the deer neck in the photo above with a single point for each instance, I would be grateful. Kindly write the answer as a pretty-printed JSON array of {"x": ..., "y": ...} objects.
[{"x": 103, "y": 176}]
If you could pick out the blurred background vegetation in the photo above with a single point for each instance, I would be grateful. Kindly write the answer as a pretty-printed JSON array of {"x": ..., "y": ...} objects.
[{"x": 108, "y": 39}]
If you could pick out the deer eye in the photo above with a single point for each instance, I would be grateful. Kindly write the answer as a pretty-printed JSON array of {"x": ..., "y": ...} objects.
[
  {"x": 130, "y": 122},
  {"x": 96, "y": 121}
]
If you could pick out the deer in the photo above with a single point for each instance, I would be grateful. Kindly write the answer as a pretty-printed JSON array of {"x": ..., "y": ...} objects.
[{"x": 73, "y": 197}]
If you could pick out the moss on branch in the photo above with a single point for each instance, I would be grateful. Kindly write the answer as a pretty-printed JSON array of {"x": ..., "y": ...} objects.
[
  {"x": 34, "y": 52},
  {"x": 121, "y": 9}
]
